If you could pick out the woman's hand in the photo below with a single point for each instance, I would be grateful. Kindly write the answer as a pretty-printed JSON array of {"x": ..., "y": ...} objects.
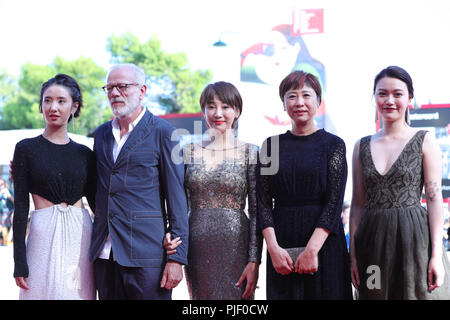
[
  {"x": 22, "y": 282},
  {"x": 436, "y": 273},
  {"x": 250, "y": 274},
  {"x": 281, "y": 260},
  {"x": 170, "y": 245},
  {"x": 307, "y": 262}
]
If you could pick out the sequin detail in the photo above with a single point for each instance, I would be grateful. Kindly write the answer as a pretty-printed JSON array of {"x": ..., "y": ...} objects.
[{"x": 222, "y": 238}]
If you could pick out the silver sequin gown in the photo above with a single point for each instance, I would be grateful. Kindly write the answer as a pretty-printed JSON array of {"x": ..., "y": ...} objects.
[{"x": 222, "y": 238}]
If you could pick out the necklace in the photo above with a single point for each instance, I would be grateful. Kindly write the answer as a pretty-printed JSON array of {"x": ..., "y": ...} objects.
[
  {"x": 222, "y": 152},
  {"x": 210, "y": 147}
]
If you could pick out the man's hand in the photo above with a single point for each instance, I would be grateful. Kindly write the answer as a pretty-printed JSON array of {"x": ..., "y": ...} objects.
[{"x": 172, "y": 275}]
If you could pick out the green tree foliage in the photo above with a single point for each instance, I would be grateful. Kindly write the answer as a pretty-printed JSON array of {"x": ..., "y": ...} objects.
[
  {"x": 7, "y": 88},
  {"x": 20, "y": 107},
  {"x": 91, "y": 78},
  {"x": 180, "y": 88},
  {"x": 21, "y": 111}
]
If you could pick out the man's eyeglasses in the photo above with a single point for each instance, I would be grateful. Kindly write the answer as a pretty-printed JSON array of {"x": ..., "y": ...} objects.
[{"x": 122, "y": 87}]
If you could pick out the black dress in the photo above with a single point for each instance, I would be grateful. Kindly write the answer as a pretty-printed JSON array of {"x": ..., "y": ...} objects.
[{"x": 306, "y": 192}]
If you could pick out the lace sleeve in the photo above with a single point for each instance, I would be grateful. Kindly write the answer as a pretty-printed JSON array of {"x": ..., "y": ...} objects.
[
  {"x": 21, "y": 208},
  {"x": 336, "y": 181},
  {"x": 264, "y": 198},
  {"x": 255, "y": 244}
]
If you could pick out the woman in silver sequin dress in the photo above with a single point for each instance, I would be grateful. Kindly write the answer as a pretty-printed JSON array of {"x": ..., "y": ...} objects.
[{"x": 224, "y": 248}]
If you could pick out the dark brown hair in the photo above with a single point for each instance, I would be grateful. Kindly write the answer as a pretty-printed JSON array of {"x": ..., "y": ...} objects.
[
  {"x": 397, "y": 73},
  {"x": 400, "y": 74},
  {"x": 226, "y": 92},
  {"x": 297, "y": 79}
]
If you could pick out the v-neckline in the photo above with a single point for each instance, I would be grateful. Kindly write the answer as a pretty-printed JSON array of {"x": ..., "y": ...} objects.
[{"x": 396, "y": 160}]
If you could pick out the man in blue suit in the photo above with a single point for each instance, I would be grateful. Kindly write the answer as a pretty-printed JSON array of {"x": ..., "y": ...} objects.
[{"x": 140, "y": 197}]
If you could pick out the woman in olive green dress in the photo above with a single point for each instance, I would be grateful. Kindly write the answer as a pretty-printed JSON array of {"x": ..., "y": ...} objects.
[{"x": 395, "y": 243}]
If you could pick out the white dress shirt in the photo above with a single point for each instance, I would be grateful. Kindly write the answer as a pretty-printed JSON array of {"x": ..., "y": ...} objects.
[{"x": 118, "y": 144}]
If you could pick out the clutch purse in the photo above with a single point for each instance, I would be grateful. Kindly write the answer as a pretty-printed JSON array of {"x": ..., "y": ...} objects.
[{"x": 295, "y": 252}]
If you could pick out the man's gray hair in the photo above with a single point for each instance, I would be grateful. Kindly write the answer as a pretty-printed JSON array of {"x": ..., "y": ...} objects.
[{"x": 139, "y": 73}]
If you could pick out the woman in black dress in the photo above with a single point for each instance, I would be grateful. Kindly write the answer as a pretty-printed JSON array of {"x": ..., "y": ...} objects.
[{"x": 302, "y": 184}]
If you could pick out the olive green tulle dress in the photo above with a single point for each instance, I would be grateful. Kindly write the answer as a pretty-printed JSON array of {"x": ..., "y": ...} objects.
[{"x": 393, "y": 237}]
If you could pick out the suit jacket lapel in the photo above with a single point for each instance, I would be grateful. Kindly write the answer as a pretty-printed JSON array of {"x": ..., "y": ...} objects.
[
  {"x": 140, "y": 132},
  {"x": 108, "y": 143}
]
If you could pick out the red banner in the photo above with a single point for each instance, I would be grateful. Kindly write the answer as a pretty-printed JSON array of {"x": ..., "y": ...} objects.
[{"x": 307, "y": 21}]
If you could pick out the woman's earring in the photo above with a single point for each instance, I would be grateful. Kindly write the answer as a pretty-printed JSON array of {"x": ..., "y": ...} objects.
[
  {"x": 73, "y": 122},
  {"x": 407, "y": 116}
]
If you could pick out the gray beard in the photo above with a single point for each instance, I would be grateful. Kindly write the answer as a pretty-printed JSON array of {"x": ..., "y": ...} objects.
[{"x": 126, "y": 110}]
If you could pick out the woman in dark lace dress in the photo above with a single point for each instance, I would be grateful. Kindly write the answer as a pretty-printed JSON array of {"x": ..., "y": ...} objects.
[
  {"x": 396, "y": 245},
  {"x": 302, "y": 183},
  {"x": 224, "y": 249}
]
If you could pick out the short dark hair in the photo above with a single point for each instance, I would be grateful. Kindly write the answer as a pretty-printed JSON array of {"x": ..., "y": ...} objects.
[
  {"x": 225, "y": 91},
  {"x": 71, "y": 84},
  {"x": 397, "y": 73},
  {"x": 297, "y": 79}
]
